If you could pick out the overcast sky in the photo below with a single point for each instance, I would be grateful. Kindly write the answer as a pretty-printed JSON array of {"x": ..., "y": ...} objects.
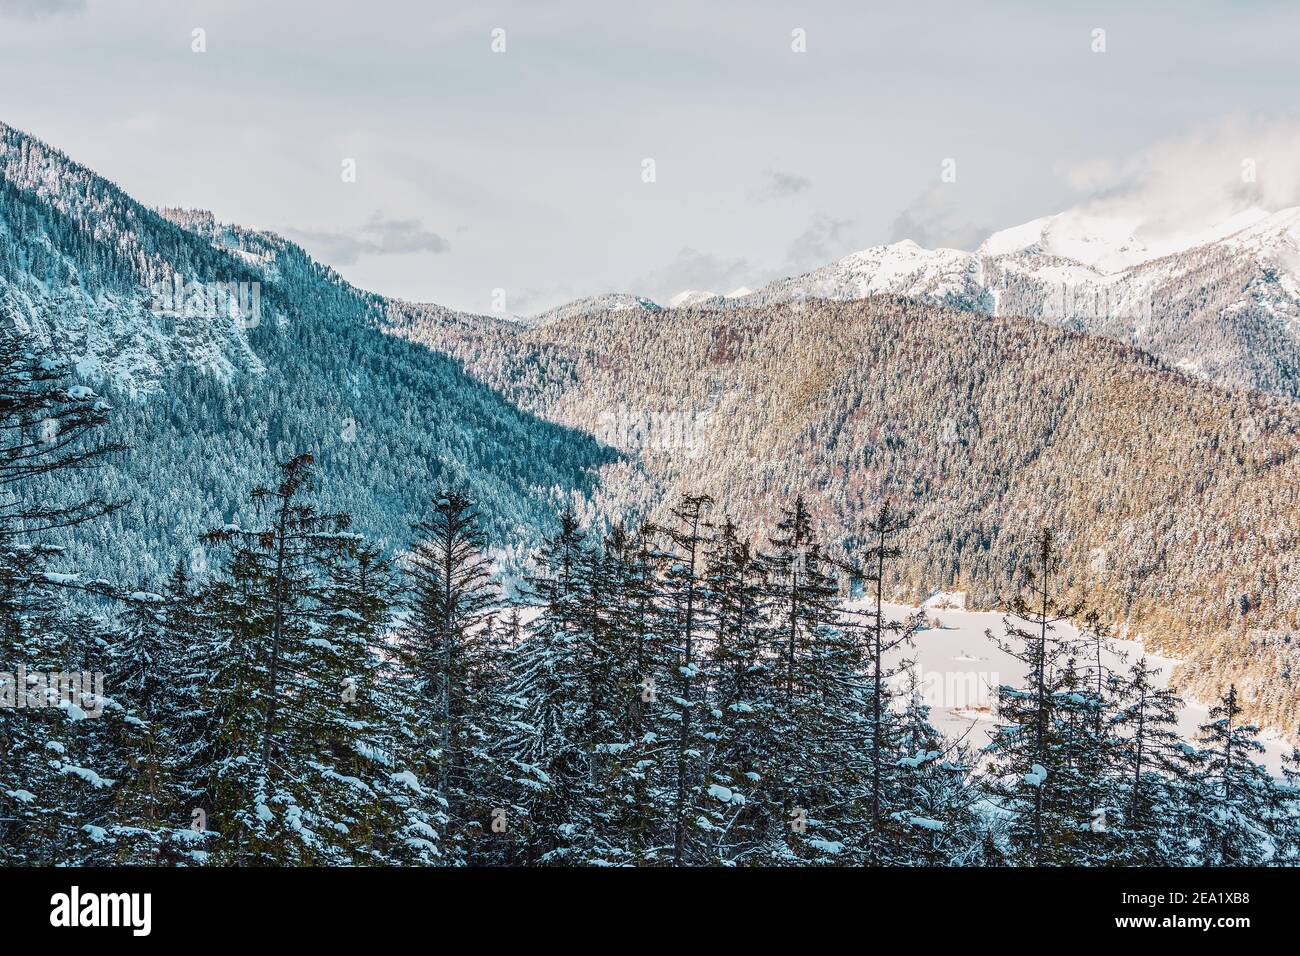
[{"x": 523, "y": 170}]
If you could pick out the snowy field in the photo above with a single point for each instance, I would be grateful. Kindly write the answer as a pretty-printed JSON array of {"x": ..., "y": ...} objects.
[{"x": 959, "y": 669}]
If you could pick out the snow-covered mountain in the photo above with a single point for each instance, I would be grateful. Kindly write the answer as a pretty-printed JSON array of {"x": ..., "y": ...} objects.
[
  {"x": 942, "y": 276},
  {"x": 1107, "y": 242},
  {"x": 1221, "y": 302},
  {"x": 1227, "y": 310},
  {"x": 107, "y": 282},
  {"x": 226, "y": 350},
  {"x": 689, "y": 297},
  {"x": 592, "y": 305}
]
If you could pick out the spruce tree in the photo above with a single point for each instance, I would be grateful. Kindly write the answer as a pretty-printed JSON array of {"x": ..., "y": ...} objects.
[
  {"x": 1150, "y": 818},
  {"x": 1234, "y": 800},
  {"x": 1028, "y": 752},
  {"x": 446, "y": 649},
  {"x": 683, "y": 620},
  {"x": 544, "y": 756},
  {"x": 824, "y": 698},
  {"x": 270, "y": 686},
  {"x": 50, "y": 786},
  {"x": 742, "y": 814}
]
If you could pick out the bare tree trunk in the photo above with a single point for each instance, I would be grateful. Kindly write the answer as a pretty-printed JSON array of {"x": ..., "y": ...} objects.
[
  {"x": 679, "y": 828},
  {"x": 277, "y": 630}
]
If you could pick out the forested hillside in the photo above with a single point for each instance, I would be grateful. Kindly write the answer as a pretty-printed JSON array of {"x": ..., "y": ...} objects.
[
  {"x": 200, "y": 393},
  {"x": 669, "y": 695},
  {"x": 1177, "y": 504},
  {"x": 311, "y": 576},
  {"x": 1225, "y": 308}
]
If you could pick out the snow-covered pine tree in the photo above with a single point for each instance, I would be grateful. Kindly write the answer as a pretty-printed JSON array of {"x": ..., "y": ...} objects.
[
  {"x": 1150, "y": 818},
  {"x": 50, "y": 789},
  {"x": 1235, "y": 797},
  {"x": 633, "y": 765},
  {"x": 151, "y": 823},
  {"x": 1025, "y": 751},
  {"x": 260, "y": 782},
  {"x": 1081, "y": 801},
  {"x": 824, "y": 702},
  {"x": 682, "y": 620},
  {"x": 619, "y": 664},
  {"x": 743, "y": 814},
  {"x": 544, "y": 758},
  {"x": 931, "y": 794},
  {"x": 446, "y": 648},
  {"x": 892, "y": 822},
  {"x": 368, "y": 797},
  {"x": 881, "y": 530}
]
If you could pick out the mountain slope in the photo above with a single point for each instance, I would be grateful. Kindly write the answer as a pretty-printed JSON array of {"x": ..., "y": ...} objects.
[
  {"x": 1221, "y": 303},
  {"x": 1178, "y": 503},
  {"x": 210, "y": 400}
]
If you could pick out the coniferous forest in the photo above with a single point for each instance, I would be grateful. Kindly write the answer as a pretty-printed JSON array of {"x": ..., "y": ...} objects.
[
  {"x": 669, "y": 694},
  {"x": 498, "y": 467}
]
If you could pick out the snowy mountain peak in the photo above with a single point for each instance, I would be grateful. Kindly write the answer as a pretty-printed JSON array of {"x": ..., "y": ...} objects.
[
  {"x": 624, "y": 302},
  {"x": 690, "y": 297},
  {"x": 1110, "y": 243},
  {"x": 1220, "y": 301}
]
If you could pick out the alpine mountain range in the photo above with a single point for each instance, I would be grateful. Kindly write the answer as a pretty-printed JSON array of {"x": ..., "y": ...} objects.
[
  {"x": 1140, "y": 397},
  {"x": 1152, "y": 386}
]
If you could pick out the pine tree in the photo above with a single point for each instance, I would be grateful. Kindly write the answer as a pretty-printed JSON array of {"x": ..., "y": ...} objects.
[
  {"x": 1235, "y": 794},
  {"x": 544, "y": 756},
  {"x": 267, "y": 687},
  {"x": 1029, "y": 749},
  {"x": 885, "y": 525},
  {"x": 1150, "y": 819},
  {"x": 824, "y": 697},
  {"x": 446, "y": 649},
  {"x": 366, "y": 796},
  {"x": 890, "y": 826},
  {"x": 682, "y": 617},
  {"x": 931, "y": 795},
  {"x": 50, "y": 788},
  {"x": 637, "y": 759},
  {"x": 742, "y": 816},
  {"x": 151, "y": 824}
]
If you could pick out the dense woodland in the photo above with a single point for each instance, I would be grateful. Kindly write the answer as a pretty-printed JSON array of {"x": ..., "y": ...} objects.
[
  {"x": 669, "y": 694},
  {"x": 357, "y": 600},
  {"x": 1177, "y": 503},
  {"x": 211, "y": 399}
]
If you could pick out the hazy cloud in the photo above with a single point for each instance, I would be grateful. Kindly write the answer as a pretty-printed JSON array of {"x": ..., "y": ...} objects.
[
  {"x": 39, "y": 9},
  {"x": 778, "y": 185},
  {"x": 825, "y": 239},
  {"x": 378, "y": 237},
  {"x": 692, "y": 269},
  {"x": 937, "y": 219},
  {"x": 1196, "y": 179}
]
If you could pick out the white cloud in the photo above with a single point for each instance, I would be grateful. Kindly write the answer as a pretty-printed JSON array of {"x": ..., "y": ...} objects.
[
  {"x": 938, "y": 218},
  {"x": 377, "y": 237},
  {"x": 1194, "y": 180}
]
